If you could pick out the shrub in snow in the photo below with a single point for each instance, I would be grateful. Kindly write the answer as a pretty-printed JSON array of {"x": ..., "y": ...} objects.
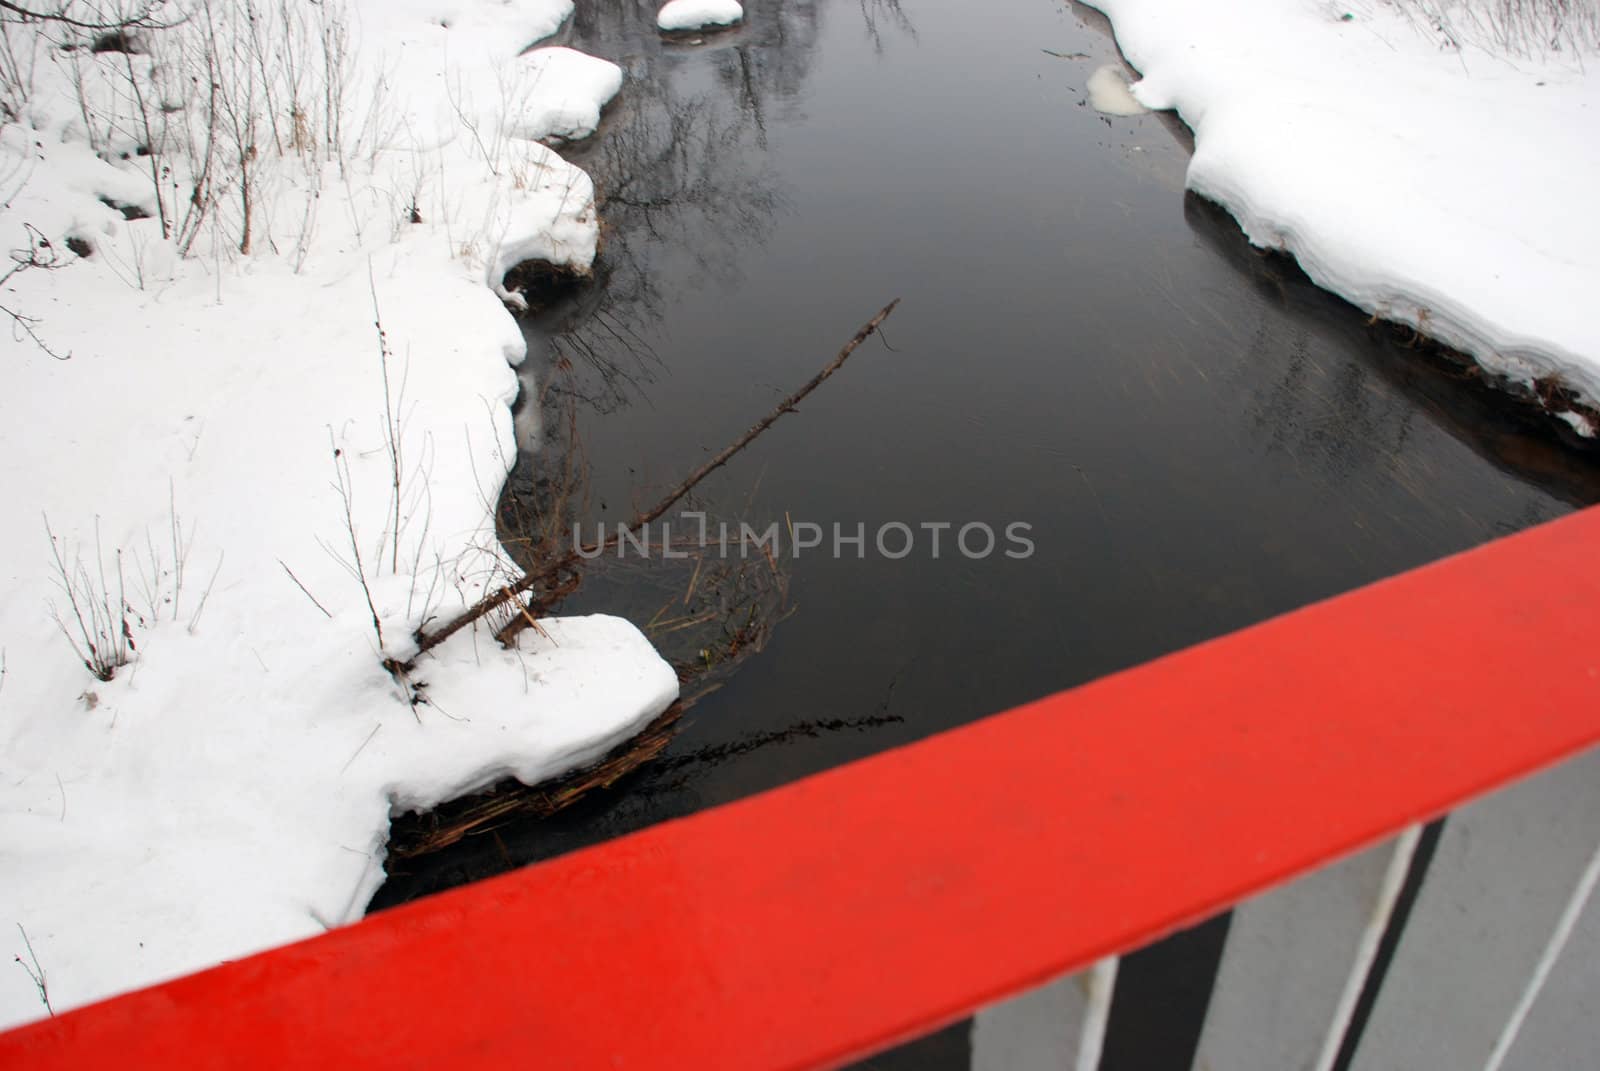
[
  {"x": 1526, "y": 28},
  {"x": 262, "y": 186}
]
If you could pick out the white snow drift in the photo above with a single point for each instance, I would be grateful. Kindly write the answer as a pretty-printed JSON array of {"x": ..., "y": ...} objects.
[
  {"x": 231, "y": 787},
  {"x": 685, "y": 15},
  {"x": 566, "y": 90},
  {"x": 1422, "y": 162}
]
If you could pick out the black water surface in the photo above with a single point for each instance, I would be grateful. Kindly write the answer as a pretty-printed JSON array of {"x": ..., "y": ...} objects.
[{"x": 1198, "y": 437}]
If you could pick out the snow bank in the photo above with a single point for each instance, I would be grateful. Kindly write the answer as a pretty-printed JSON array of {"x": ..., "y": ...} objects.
[
  {"x": 566, "y": 91},
  {"x": 231, "y": 787},
  {"x": 1404, "y": 165},
  {"x": 683, "y": 15}
]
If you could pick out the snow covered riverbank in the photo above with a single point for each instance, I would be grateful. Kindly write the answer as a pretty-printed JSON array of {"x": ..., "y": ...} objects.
[
  {"x": 221, "y": 451},
  {"x": 1435, "y": 165}
]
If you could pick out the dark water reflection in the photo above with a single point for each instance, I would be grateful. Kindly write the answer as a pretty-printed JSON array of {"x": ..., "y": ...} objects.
[{"x": 1199, "y": 437}]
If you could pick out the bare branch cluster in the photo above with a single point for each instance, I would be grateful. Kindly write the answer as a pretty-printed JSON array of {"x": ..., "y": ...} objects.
[
  {"x": 39, "y": 254},
  {"x": 1515, "y": 28},
  {"x": 101, "y": 612},
  {"x": 80, "y": 15}
]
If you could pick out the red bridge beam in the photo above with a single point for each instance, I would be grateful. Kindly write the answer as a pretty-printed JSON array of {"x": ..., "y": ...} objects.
[{"x": 880, "y": 900}]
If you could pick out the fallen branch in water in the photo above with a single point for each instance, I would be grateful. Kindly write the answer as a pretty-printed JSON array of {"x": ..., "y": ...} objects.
[
  {"x": 525, "y": 615},
  {"x": 415, "y": 836}
]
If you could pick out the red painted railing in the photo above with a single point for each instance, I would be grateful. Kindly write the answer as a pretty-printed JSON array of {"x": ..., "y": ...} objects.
[{"x": 838, "y": 915}]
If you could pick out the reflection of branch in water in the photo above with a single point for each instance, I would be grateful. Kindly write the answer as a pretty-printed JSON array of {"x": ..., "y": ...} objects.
[
  {"x": 749, "y": 93},
  {"x": 1297, "y": 403},
  {"x": 1303, "y": 405},
  {"x": 686, "y": 171},
  {"x": 548, "y": 493},
  {"x": 872, "y": 10},
  {"x": 678, "y": 179},
  {"x": 812, "y": 729},
  {"x": 681, "y": 176},
  {"x": 413, "y": 835},
  {"x": 1362, "y": 407},
  {"x": 612, "y": 362},
  {"x": 717, "y": 753}
]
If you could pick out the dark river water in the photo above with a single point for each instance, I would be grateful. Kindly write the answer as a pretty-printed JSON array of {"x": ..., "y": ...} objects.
[{"x": 1198, "y": 438}]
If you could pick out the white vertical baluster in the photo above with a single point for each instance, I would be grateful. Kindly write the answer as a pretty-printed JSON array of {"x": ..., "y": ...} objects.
[
  {"x": 1394, "y": 877},
  {"x": 1477, "y": 939},
  {"x": 1295, "y": 960},
  {"x": 1102, "y": 984},
  {"x": 1580, "y": 1033},
  {"x": 1059, "y": 1026}
]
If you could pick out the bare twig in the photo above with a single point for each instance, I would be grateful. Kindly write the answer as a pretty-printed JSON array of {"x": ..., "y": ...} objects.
[
  {"x": 150, "y": 143},
  {"x": 391, "y": 430},
  {"x": 304, "y": 590},
  {"x": 144, "y": 17},
  {"x": 346, "y": 489},
  {"x": 426, "y": 641},
  {"x": 104, "y": 636},
  {"x": 362, "y": 748},
  {"x": 42, "y": 255},
  {"x": 35, "y": 972},
  {"x": 181, "y": 544},
  {"x": 194, "y": 619}
]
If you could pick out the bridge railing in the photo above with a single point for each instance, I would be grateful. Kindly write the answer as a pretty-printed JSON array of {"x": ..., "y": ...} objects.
[
  {"x": 1469, "y": 942},
  {"x": 843, "y": 914}
]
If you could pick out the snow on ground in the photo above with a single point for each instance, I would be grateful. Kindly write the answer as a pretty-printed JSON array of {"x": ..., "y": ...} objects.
[
  {"x": 683, "y": 15},
  {"x": 1424, "y": 167},
  {"x": 231, "y": 787},
  {"x": 568, "y": 90}
]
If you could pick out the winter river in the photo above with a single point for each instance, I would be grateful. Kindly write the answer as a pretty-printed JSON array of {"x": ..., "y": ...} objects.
[{"x": 1196, "y": 437}]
